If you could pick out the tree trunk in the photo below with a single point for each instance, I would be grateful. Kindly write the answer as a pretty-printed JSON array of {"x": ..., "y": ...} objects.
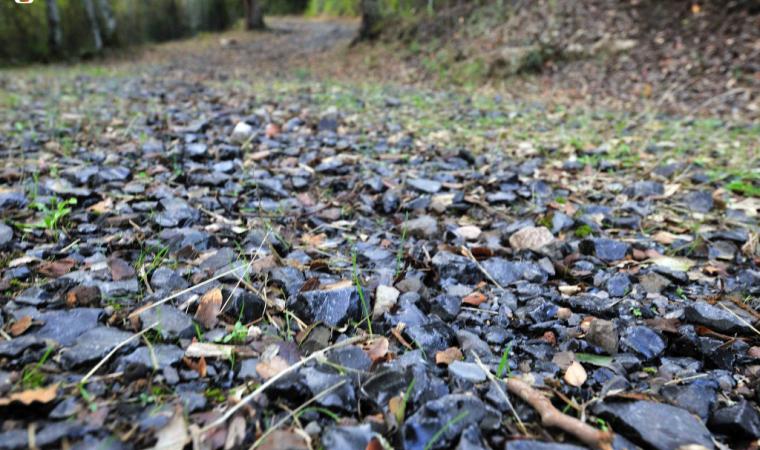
[
  {"x": 55, "y": 36},
  {"x": 370, "y": 26},
  {"x": 108, "y": 17},
  {"x": 89, "y": 8},
  {"x": 254, "y": 15}
]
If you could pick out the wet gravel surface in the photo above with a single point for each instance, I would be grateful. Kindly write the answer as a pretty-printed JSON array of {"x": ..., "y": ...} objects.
[{"x": 191, "y": 242}]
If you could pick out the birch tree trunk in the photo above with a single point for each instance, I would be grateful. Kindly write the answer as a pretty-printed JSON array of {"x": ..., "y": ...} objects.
[
  {"x": 109, "y": 18},
  {"x": 89, "y": 8},
  {"x": 55, "y": 36}
]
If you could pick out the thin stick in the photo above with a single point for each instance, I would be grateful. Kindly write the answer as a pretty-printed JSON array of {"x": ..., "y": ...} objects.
[
  {"x": 552, "y": 417},
  {"x": 742, "y": 320},
  {"x": 293, "y": 413},
  {"x": 112, "y": 352},
  {"x": 468, "y": 254},
  {"x": 495, "y": 382},
  {"x": 142, "y": 309},
  {"x": 316, "y": 355}
]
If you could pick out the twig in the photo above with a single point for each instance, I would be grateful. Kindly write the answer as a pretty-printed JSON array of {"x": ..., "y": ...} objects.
[
  {"x": 742, "y": 320},
  {"x": 112, "y": 352},
  {"x": 552, "y": 417},
  {"x": 316, "y": 355},
  {"x": 294, "y": 412},
  {"x": 142, "y": 309},
  {"x": 495, "y": 382},
  {"x": 468, "y": 254}
]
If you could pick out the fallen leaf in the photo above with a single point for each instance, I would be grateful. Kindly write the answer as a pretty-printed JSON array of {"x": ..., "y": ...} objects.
[
  {"x": 272, "y": 130},
  {"x": 448, "y": 356},
  {"x": 271, "y": 367},
  {"x": 21, "y": 325},
  {"x": 56, "y": 269},
  {"x": 475, "y": 299},
  {"x": 374, "y": 444},
  {"x": 283, "y": 440},
  {"x": 174, "y": 435},
  {"x": 575, "y": 375},
  {"x": 235, "y": 433},
  {"x": 102, "y": 206},
  {"x": 377, "y": 349},
  {"x": 209, "y": 307},
  {"x": 39, "y": 395},
  {"x": 667, "y": 238}
]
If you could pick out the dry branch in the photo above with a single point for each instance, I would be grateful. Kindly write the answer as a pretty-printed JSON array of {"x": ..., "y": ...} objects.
[{"x": 552, "y": 417}]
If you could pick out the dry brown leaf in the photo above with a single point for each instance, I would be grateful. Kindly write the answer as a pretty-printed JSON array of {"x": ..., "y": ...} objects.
[
  {"x": 20, "y": 326},
  {"x": 56, "y": 269},
  {"x": 209, "y": 307},
  {"x": 175, "y": 434},
  {"x": 667, "y": 238},
  {"x": 575, "y": 375},
  {"x": 377, "y": 349},
  {"x": 448, "y": 356},
  {"x": 283, "y": 440},
  {"x": 475, "y": 299},
  {"x": 102, "y": 206},
  {"x": 271, "y": 367},
  {"x": 208, "y": 350},
  {"x": 39, "y": 395},
  {"x": 374, "y": 444},
  {"x": 235, "y": 433}
]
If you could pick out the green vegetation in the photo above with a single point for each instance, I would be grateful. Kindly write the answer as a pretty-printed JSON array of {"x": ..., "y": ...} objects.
[
  {"x": 32, "y": 377},
  {"x": 238, "y": 335},
  {"x": 443, "y": 429},
  {"x": 357, "y": 283},
  {"x": 504, "y": 362},
  {"x": 54, "y": 213},
  {"x": 401, "y": 413}
]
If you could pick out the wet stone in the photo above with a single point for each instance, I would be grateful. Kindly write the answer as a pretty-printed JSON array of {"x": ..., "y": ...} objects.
[
  {"x": 618, "y": 285},
  {"x": 537, "y": 445},
  {"x": 655, "y": 425},
  {"x": 172, "y": 323},
  {"x": 440, "y": 414},
  {"x": 456, "y": 267},
  {"x": 714, "y": 317},
  {"x": 176, "y": 212},
  {"x": 467, "y": 371},
  {"x": 740, "y": 418},
  {"x": 12, "y": 200},
  {"x": 445, "y": 306},
  {"x": 160, "y": 357},
  {"x": 34, "y": 296},
  {"x": 6, "y": 234},
  {"x": 608, "y": 250},
  {"x": 245, "y": 306},
  {"x": 424, "y": 185},
  {"x": 16, "y": 346},
  {"x": 348, "y": 437},
  {"x": 318, "y": 380},
  {"x": 697, "y": 397},
  {"x": 333, "y": 306},
  {"x": 424, "y": 227},
  {"x": 65, "y": 327},
  {"x": 168, "y": 279},
  {"x": 699, "y": 201},
  {"x": 93, "y": 345},
  {"x": 644, "y": 189},
  {"x": 642, "y": 341},
  {"x": 432, "y": 336}
]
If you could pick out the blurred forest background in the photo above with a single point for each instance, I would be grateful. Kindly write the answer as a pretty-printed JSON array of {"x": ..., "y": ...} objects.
[{"x": 86, "y": 27}]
